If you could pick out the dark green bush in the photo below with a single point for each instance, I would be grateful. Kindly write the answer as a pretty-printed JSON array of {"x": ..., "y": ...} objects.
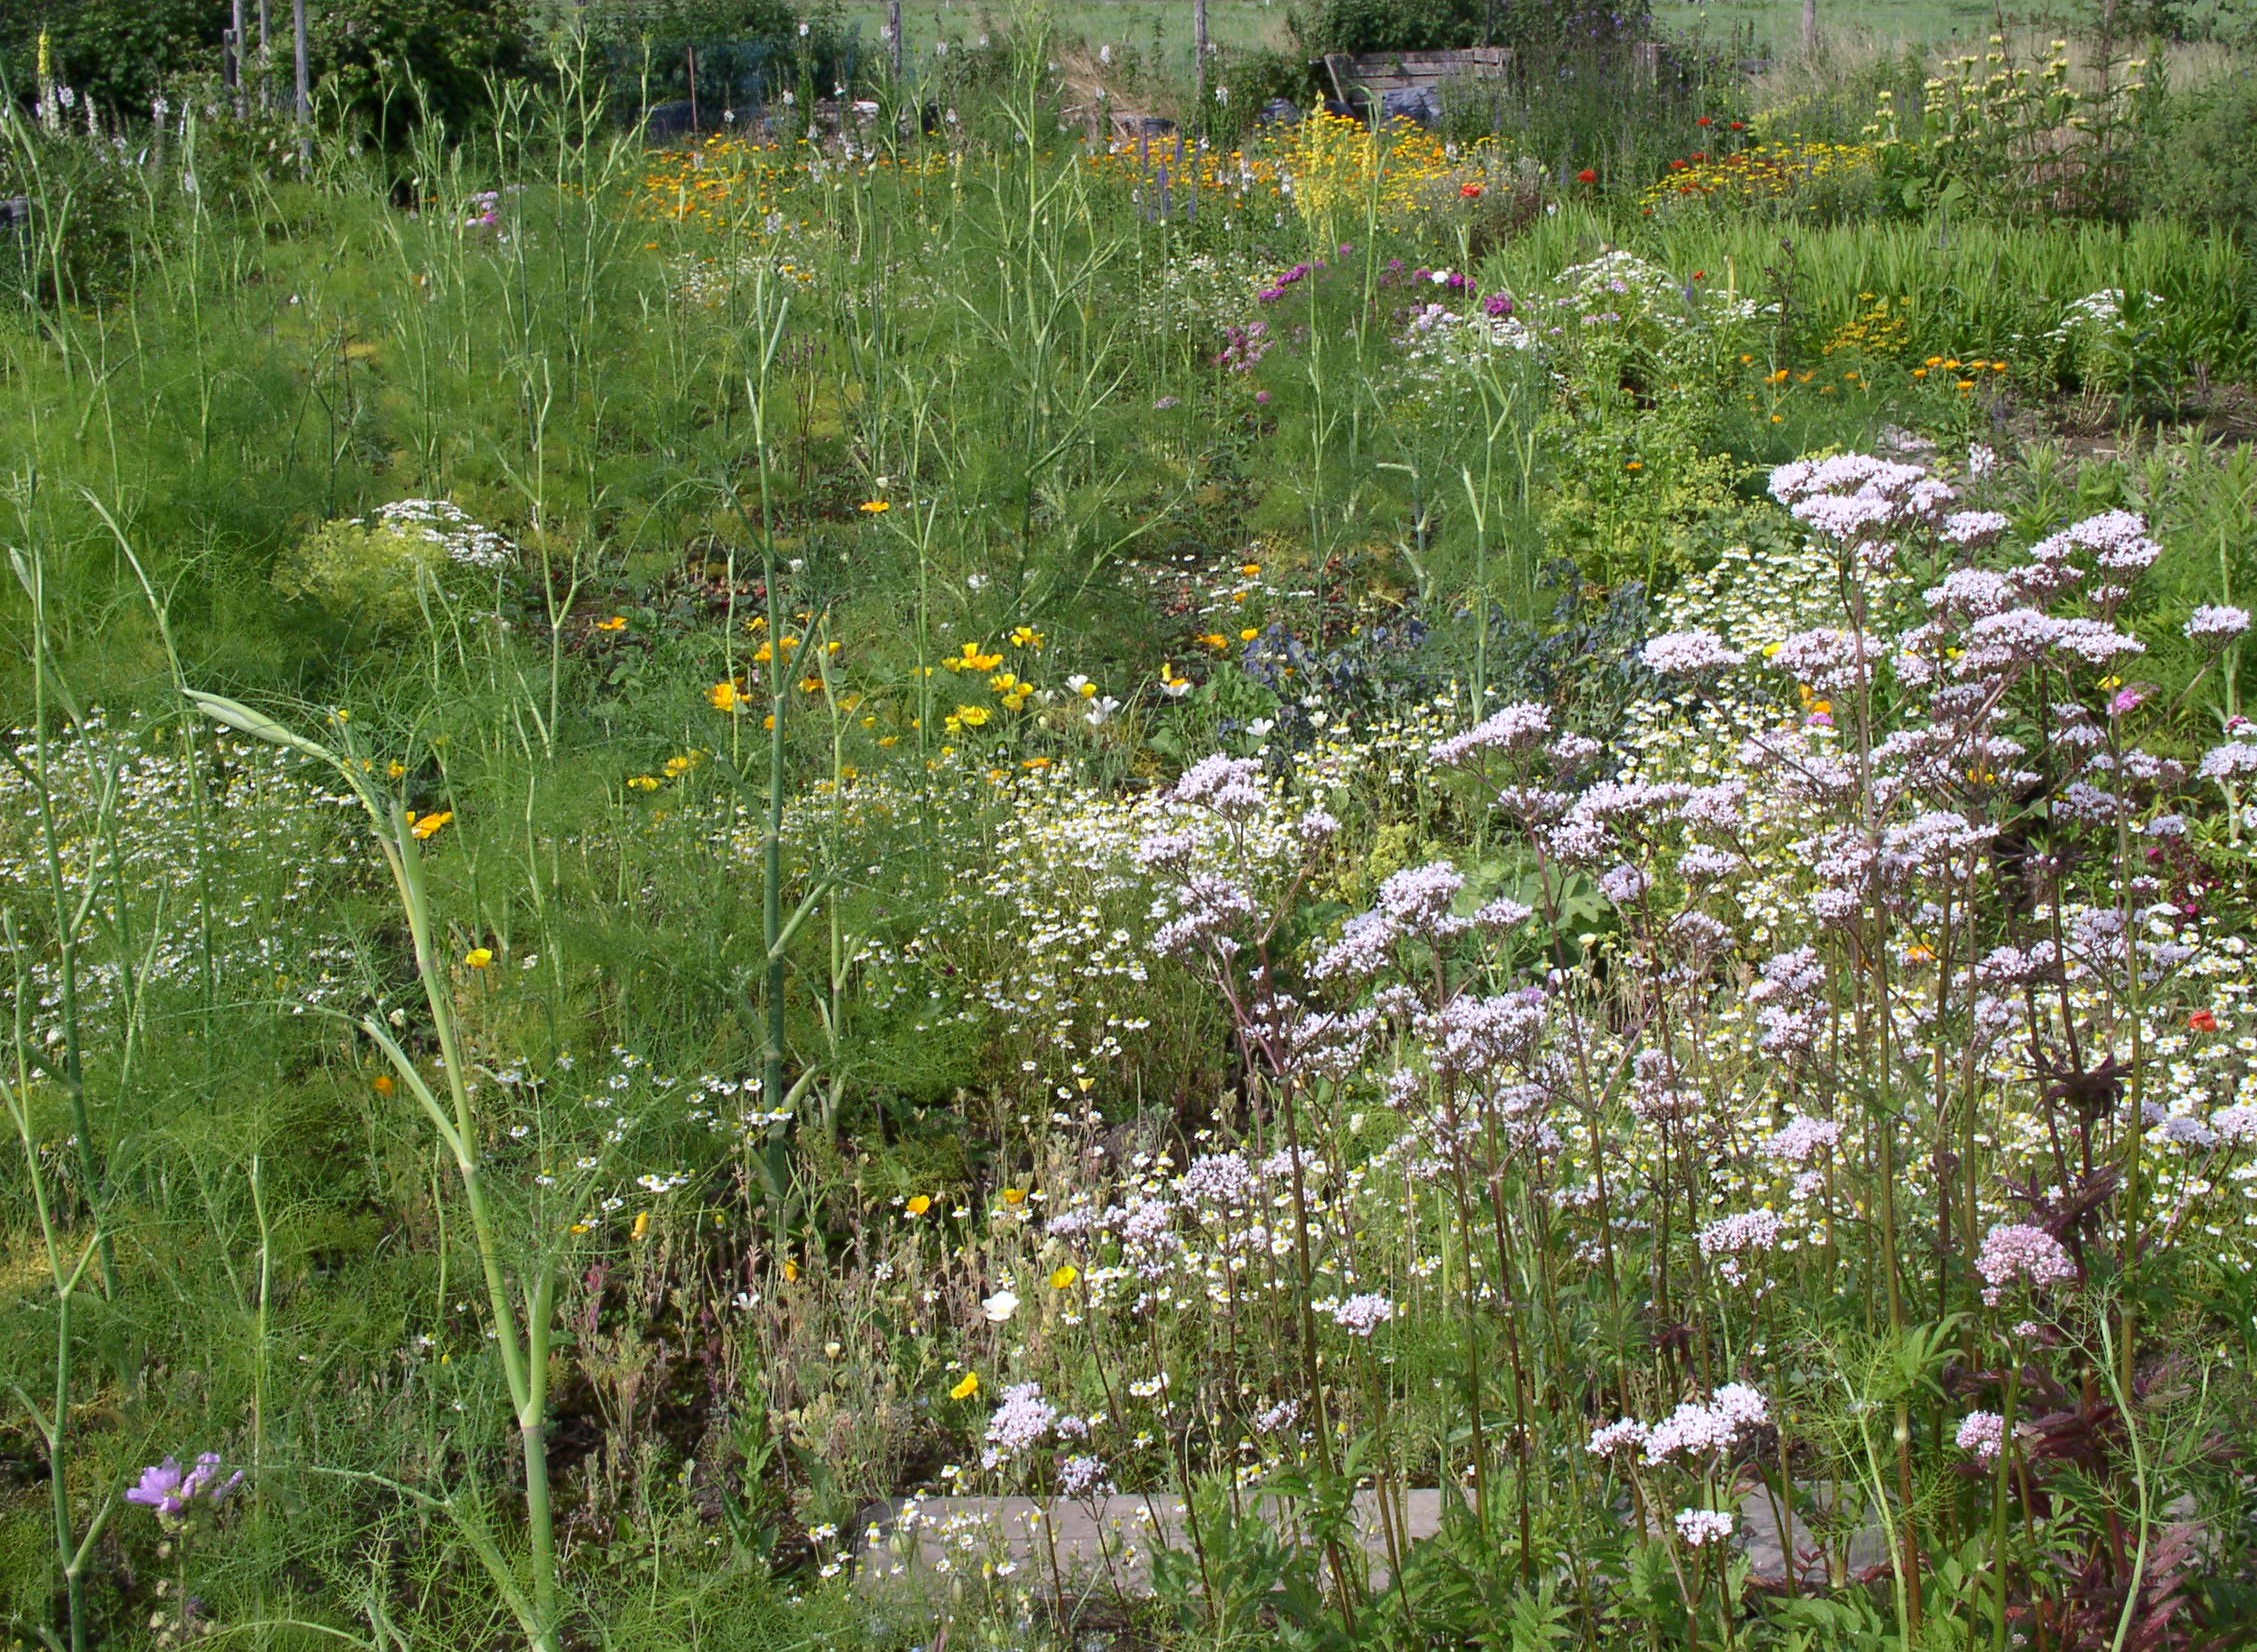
[
  {"x": 2198, "y": 166},
  {"x": 115, "y": 52}
]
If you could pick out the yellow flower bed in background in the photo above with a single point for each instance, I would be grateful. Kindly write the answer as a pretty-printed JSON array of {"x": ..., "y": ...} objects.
[{"x": 1763, "y": 171}]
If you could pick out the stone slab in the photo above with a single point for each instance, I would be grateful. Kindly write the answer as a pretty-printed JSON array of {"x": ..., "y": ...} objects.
[{"x": 1104, "y": 1546}]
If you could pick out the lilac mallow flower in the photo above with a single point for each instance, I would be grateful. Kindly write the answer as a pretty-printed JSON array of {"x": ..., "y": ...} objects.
[{"x": 171, "y": 1492}]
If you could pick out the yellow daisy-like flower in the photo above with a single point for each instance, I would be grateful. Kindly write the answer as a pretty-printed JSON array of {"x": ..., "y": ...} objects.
[
  {"x": 875, "y": 507},
  {"x": 968, "y": 1389},
  {"x": 1064, "y": 1278},
  {"x": 726, "y": 697},
  {"x": 644, "y": 783},
  {"x": 617, "y": 622},
  {"x": 973, "y": 716},
  {"x": 919, "y": 1205},
  {"x": 1249, "y": 634},
  {"x": 478, "y": 957},
  {"x": 1014, "y": 1195}
]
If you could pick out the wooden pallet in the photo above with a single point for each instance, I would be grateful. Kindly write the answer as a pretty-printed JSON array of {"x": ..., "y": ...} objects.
[{"x": 1365, "y": 78}]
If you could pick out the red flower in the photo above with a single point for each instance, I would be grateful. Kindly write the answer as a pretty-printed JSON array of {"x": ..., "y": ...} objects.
[
  {"x": 1587, "y": 176},
  {"x": 1700, "y": 154},
  {"x": 1705, "y": 120},
  {"x": 2202, "y": 1021},
  {"x": 1700, "y": 275},
  {"x": 1739, "y": 126},
  {"x": 1471, "y": 192},
  {"x": 1677, "y": 166}
]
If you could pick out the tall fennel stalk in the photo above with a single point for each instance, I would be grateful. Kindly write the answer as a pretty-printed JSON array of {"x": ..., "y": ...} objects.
[
  {"x": 523, "y": 1321},
  {"x": 65, "y": 1275}
]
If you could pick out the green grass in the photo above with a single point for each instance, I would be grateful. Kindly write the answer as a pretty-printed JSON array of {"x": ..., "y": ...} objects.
[{"x": 556, "y": 1002}]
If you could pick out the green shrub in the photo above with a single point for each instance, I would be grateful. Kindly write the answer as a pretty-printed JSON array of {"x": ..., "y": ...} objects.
[
  {"x": 371, "y": 580},
  {"x": 2197, "y": 166}
]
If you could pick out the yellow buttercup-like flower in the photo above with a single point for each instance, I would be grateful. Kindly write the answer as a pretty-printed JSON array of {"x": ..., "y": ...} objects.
[
  {"x": 1064, "y": 1278},
  {"x": 919, "y": 1205},
  {"x": 478, "y": 957},
  {"x": 968, "y": 1389}
]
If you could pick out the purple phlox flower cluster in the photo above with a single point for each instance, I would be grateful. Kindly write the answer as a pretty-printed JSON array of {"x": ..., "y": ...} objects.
[
  {"x": 1702, "y": 1527},
  {"x": 2016, "y": 1252},
  {"x": 1689, "y": 654},
  {"x": 171, "y": 1491},
  {"x": 1286, "y": 282},
  {"x": 1023, "y": 1419},
  {"x": 2215, "y": 623},
  {"x": 1244, "y": 347},
  {"x": 1498, "y": 304},
  {"x": 1360, "y": 1315},
  {"x": 1982, "y": 1435},
  {"x": 1514, "y": 728}
]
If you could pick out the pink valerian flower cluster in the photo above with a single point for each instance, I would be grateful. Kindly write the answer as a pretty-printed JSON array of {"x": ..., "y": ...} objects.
[
  {"x": 1415, "y": 904},
  {"x": 2235, "y": 760},
  {"x": 1982, "y": 1435},
  {"x": 1691, "y": 1431},
  {"x": 1700, "y": 1528},
  {"x": 1360, "y": 1315},
  {"x": 1802, "y": 1139},
  {"x": 1517, "y": 727},
  {"x": 2216, "y": 624},
  {"x": 1021, "y": 1421},
  {"x": 2017, "y": 1253},
  {"x": 1748, "y": 1233},
  {"x": 1860, "y": 503},
  {"x": 1689, "y": 654}
]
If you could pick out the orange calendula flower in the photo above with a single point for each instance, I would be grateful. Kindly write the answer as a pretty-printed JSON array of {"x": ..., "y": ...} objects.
[{"x": 383, "y": 1085}]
